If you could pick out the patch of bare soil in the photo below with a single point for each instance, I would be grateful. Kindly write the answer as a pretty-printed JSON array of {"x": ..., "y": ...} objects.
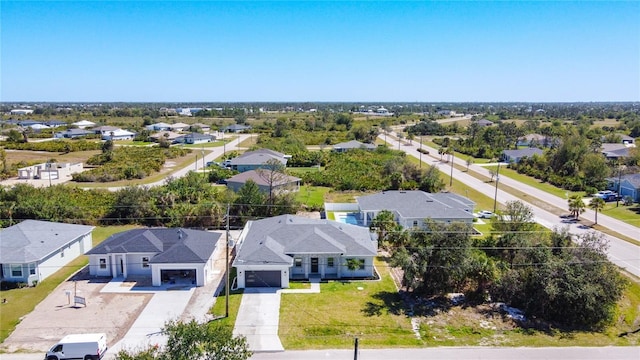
[{"x": 56, "y": 317}]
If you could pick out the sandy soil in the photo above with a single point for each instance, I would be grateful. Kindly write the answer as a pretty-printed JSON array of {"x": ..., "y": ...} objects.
[{"x": 54, "y": 317}]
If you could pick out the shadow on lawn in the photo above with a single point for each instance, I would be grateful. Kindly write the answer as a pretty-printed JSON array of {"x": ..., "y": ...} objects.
[{"x": 387, "y": 301}]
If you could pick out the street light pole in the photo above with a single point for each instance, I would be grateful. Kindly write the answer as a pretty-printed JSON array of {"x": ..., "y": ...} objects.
[
  {"x": 226, "y": 283},
  {"x": 420, "y": 152},
  {"x": 451, "y": 158}
]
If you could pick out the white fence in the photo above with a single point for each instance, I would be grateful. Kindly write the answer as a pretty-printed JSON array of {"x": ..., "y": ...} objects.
[{"x": 340, "y": 207}]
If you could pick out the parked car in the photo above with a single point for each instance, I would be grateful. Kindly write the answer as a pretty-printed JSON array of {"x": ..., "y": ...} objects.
[{"x": 485, "y": 214}]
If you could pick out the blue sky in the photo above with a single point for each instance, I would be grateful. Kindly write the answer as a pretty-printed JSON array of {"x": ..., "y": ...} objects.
[{"x": 320, "y": 51}]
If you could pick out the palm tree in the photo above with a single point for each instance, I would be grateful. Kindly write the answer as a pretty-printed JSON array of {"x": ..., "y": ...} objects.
[
  {"x": 469, "y": 162},
  {"x": 597, "y": 204},
  {"x": 576, "y": 205}
]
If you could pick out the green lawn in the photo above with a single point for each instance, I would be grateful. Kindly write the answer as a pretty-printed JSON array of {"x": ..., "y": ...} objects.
[
  {"x": 312, "y": 196},
  {"x": 369, "y": 310},
  {"x": 22, "y": 301}
]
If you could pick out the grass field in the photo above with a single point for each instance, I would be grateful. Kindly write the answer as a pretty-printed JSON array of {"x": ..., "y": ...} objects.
[
  {"x": 22, "y": 301},
  {"x": 312, "y": 196}
]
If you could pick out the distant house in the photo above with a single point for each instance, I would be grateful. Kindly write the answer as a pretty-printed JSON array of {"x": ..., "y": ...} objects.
[
  {"x": 353, "y": 144},
  {"x": 616, "y": 151},
  {"x": 72, "y": 134},
  {"x": 180, "y": 127},
  {"x": 535, "y": 140},
  {"x": 516, "y": 155},
  {"x": 158, "y": 127},
  {"x": 33, "y": 250},
  {"x": 626, "y": 185},
  {"x": 83, "y": 124},
  {"x": 446, "y": 113},
  {"x": 104, "y": 130},
  {"x": 55, "y": 123},
  {"x": 624, "y": 139},
  {"x": 21, "y": 111},
  {"x": 278, "y": 183},
  {"x": 165, "y": 255},
  {"x": 252, "y": 160},
  {"x": 411, "y": 208},
  {"x": 194, "y": 138},
  {"x": 119, "y": 134},
  {"x": 271, "y": 251},
  {"x": 204, "y": 127},
  {"x": 484, "y": 122},
  {"x": 236, "y": 128},
  {"x": 170, "y": 136}
]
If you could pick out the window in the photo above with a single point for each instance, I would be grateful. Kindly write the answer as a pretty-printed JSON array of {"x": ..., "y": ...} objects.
[
  {"x": 16, "y": 270},
  {"x": 145, "y": 261},
  {"x": 57, "y": 348},
  {"x": 298, "y": 262},
  {"x": 32, "y": 269},
  {"x": 415, "y": 223},
  {"x": 330, "y": 262},
  {"x": 103, "y": 264},
  {"x": 361, "y": 264},
  {"x": 62, "y": 253}
]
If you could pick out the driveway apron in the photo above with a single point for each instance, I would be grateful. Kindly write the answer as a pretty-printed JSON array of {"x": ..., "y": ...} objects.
[{"x": 258, "y": 319}]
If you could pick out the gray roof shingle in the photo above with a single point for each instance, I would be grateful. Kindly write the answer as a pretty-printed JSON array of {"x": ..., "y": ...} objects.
[
  {"x": 171, "y": 245},
  {"x": 33, "y": 240},
  {"x": 272, "y": 240},
  {"x": 419, "y": 204}
]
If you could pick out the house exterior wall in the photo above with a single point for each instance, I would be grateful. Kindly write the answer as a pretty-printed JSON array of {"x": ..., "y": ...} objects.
[
  {"x": 53, "y": 262},
  {"x": 324, "y": 270},
  {"x": 242, "y": 269},
  {"x": 98, "y": 268},
  {"x": 366, "y": 272}
]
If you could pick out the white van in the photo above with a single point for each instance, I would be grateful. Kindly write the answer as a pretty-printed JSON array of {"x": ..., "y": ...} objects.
[{"x": 79, "y": 346}]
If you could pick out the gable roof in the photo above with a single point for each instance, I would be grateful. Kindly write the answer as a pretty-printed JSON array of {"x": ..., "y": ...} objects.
[
  {"x": 258, "y": 157},
  {"x": 33, "y": 240},
  {"x": 254, "y": 175},
  {"x": 353, "y": 144},
  {"x": 529, "y": 152},
  {"x": 417, "y": 204},
  {"x": 236, "y": 127},
  {"x": 171, "y": 245},
  {"x": 273, "y": 240},
  {"x": 83, "y": 123},
  {"x": 633, "y": 179}
]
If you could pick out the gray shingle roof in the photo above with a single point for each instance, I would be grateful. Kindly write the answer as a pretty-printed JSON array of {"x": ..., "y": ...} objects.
[
  {"x": 171, "y": 245},
  {"x": 353, "y": 144},
  {"x": 254, "y": 175},
  {"x": 419, "y": 204},
  {"x": 529, "y": 152},
  {"x": 33, "y": 240},
  {"x": 258, "y": 157},
  {"x": 272, "y": 240}
]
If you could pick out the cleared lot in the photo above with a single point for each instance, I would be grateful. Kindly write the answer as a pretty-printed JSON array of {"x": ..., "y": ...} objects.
[{"x": 54, "y": 317}]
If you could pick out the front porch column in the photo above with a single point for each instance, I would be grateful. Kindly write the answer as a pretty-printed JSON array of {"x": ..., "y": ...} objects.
[
  {"x": 306, "y": 263},
  {"x": 364, "y": 218},
  {"x": 322, "y": 266},
  {"x": 114, "y": 269}
]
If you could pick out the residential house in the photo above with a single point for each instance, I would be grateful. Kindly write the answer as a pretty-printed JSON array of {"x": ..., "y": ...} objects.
[
  {"x": 170, "y": 136},
  {"x": 33, "y": 250},
  {"x": 119, "y": 134},
  {"x": 158, "y": 127},
  {"x": 616, "y": 151},
  {"x": 624, "y": 139},
  {"x": 515, "y": 156},
  {"x": 194, "y": 138},
  {"x": 412, "y": 208},
  {"x": 163, "y": 255},
  {"x": 353, "y": 144},
  {"x": 626, "y": 185},
  {"x": 236, "y": 128},
  {"x": 535, "y": 140},
  {"x": 83, "y": 124},
  {"x": 72, "y": 134},
  {"x": 278, "y": 182},
  {"x": 204, "y": 127},
  {"x": 273, "y": 250},
  {"x": 104, "y": 130},
  {"x": 179, "y": 127},
  {"x": 55, "y": 123},
  {"x": 21, "y": 111},
  {"x": 484, "y": 122},
  {"x": 252, "y": 160}
]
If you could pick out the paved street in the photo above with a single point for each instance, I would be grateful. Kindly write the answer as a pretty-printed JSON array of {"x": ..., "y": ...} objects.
[{"x": 621, "y": 253}]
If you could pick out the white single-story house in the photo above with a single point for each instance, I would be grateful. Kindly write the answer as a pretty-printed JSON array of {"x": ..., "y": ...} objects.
[
  {"x": 353, "y": 144},
  {"x": 204, "y": 127},
  {"x": 72, "y": 134},
  {"x": 252, "y": 160},
  {"x": 236, "y": 128},
  {"x": 515, "y": 156},
  {"x": 170, "y": 136},
  {"x": 159, "y": 127},
  {"x": 626, "y": 185},
  {"x": 180, "y": 126},
  {"x": 278, "y": 182},
  {"x": 411, "y": 208},
  {"x": 33, "y": 250},
  {"x": 165, "y": 255},
  {"x": 535, "y": 140},
  {"x": 273, "y": 250},
  {"x": 119, "y": 134},
  {"x": 21, "y": 111}
]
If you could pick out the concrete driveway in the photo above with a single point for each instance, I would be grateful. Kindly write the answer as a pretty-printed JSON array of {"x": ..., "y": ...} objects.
[{"x": 258, "y": 319}]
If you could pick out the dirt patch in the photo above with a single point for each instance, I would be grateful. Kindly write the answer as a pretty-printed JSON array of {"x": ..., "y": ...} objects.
[{"x": 54, "y": 317}]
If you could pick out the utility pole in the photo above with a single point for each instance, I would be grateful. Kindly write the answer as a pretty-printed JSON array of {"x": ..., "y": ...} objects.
[
  {"x": 355, "y": 350},
  {"x": 226, "y": 285},
  {"x": 619, "y": 183},
  {"x": 420, "y": 152},
  {"x": 204, "y": 166},
  {"x": 452, "y": 157},
  {"x": 495, "y": 197}
]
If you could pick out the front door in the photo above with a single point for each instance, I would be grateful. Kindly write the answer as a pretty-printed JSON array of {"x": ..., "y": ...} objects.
[{"x": 314, "y": 265}]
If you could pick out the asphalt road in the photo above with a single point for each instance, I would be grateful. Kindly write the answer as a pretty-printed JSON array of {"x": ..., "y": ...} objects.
[{"x": 621, "y": 253}]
